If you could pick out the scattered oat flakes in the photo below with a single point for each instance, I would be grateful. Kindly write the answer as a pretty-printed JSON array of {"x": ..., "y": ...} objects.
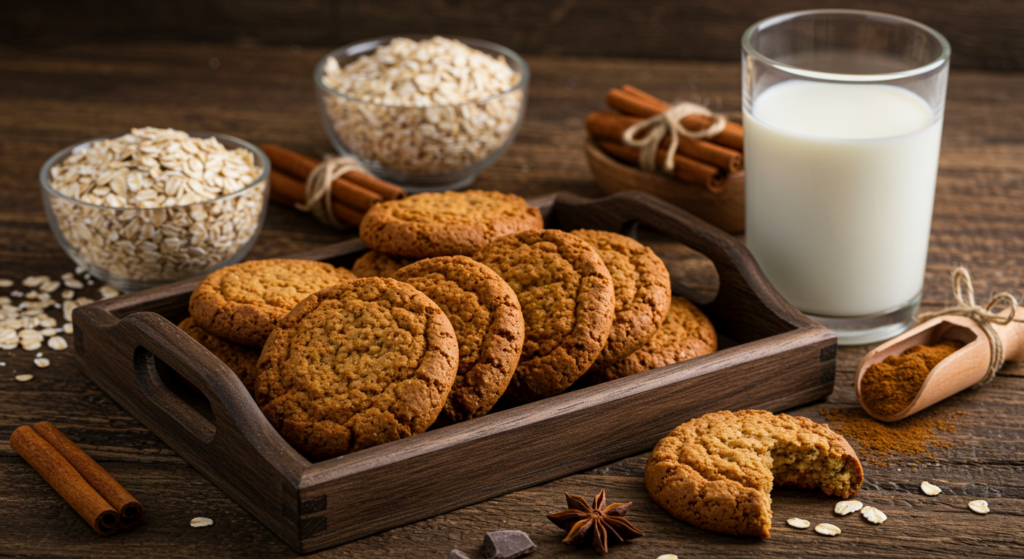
[
  {"x": 799, "y": 523},
  {"x": 4, "y": 282},
  {"x": 69, "y": 328},
  {"x": 980, "y": 507},
  {"x": 668, "y": 556},
  {"x": 108, "y": 292},
  {"x": 31, "y": 345},
  {"x": 844, "y": 508},
  {"x": 873, "y": 515},
  {"x": 24, "y": 377},
  {"x": 930, "y": 489},
  {"x": 35, "y": 281},
  {"x": 58, "y": 343},
  {"x": 17, "y": 294},
  {"x": 49, "y": 286},
  {"x": 67, "y": 294},
  {"x": 73, "y": 283},
  {"x": 41, "y": 362},
  {"x": 827, "y": 529},
  {"x": 201, "y": 522},
  {"x": 48, "y": 332}
]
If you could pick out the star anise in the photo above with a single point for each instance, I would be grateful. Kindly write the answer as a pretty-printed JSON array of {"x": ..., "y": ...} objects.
[{"x": 597, "y": 524}]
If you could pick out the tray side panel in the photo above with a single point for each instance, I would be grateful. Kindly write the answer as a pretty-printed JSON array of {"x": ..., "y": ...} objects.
[{"x": 454, "y": 467}]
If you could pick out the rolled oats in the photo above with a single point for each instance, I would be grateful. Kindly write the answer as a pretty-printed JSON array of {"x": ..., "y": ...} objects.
[
  {"x": 844, "y": 508},
  {"x": 799, "y": 523},
  {"x": 930, "y": 489},
  {"x": 58, "y": 343},
  {"x": 41, "y": 362},
  {"x": 4, "y": 282},
  {"x": 423, "y": 107},
  {"x": 24, "y": 377},
  {"x": 873, "y": 515},
  {"x": 980, "y": 507},
  {"x": 153, "y": 207},
  {"x": 201, "y": 522},
  {"x": 827, "y": 529}
]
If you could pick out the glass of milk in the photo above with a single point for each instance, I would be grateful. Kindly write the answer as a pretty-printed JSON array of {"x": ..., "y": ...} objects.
[{"x": 842, "y": 116}]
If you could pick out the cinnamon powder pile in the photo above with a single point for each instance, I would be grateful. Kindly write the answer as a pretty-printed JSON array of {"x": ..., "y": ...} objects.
[
  {"x": 880, "y": 443},
  {"x": 890, "y": 386}
]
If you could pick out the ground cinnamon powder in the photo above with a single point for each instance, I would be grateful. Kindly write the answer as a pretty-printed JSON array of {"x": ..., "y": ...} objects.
[
  {"x": 890, "y": 386},
  {"x": 880, "y": 443}
]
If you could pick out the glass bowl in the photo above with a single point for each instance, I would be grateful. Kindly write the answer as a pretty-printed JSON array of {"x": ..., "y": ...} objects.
[
  {"x": 137, "y": 248},
  {"x": 433, "y": 148}
]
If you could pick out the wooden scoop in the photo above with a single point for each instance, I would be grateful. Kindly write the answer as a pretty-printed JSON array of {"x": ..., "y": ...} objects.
[{"x": 962, "y": 369}]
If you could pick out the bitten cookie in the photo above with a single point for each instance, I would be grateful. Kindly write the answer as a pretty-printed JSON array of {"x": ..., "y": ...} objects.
[
  {"x": 357, "y": 365},
  {"x": 716, "y": 472},
  {"x": 445, "y": 223},
  {"x": 242, "y": 303},
  {"x": 642, "y": 292},
  {"x": 488, "y": 324},
  {"x": 239, "y": 358},
  {"x": 686, "y": 333},
  {"x": 376, "y": 265},
  {"x": 568, "y": 303}
]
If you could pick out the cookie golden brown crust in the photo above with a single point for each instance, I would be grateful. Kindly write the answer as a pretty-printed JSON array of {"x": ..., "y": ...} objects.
[
  {"x": 242, "y": 303},
  {"x": 686, "y": 333},
  {"x": 357, "y": 365},
  {"x": 716, "y": 472},
  {"x": 445, "y": 223},
  {"x": 488, "y": 324},
  {"x": 568, "y": 303},
  {"x": 376, "y": 265},
  {"x": 642, "y": 292},
  {"x": 239, "y": 358}
]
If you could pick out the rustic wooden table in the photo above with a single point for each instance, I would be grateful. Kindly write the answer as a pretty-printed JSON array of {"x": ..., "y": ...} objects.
[{"x": 52, "y": 98}]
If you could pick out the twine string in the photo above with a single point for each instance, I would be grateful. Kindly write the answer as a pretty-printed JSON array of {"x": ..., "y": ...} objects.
[
  {"x": 648, "y": 133},
  {"x": 318, "y": 188},
  {"x": 985, "y": 316}
]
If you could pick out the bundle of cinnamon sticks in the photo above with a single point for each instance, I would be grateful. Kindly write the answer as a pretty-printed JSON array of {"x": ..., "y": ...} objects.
[
  {"x": 704, "y": 162},
  {"x": 351, "y": 194},
  {"x": 92, "y": 492}
]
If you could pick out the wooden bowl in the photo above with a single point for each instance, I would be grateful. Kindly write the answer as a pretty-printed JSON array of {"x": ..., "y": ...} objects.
[{"x": 723, "y": 210}]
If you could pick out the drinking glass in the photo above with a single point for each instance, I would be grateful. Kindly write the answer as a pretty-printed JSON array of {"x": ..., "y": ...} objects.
[{"x": 842, "y": 115}]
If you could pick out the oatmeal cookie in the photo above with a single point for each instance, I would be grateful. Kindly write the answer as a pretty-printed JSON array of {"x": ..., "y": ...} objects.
[
  {"x": 642, "y": 292},
  {"x": 686, "y": 333},
  {"x": 357, "y": 365},
  {"x": 717, "y": 471},
  {"x": 242, "y": 303},
  {"x": 445, "y": 223},
  {"x": 488, "y": 324},
  {"x": 239, "y": 358},
  {"x": 568, "y": 303},
  {"x": 376, "y": 265}
]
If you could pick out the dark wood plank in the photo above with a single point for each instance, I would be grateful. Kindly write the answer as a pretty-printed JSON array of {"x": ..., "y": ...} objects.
[
  {"x": 54, "y": 97},
  {"x": 984, "y": 34}
]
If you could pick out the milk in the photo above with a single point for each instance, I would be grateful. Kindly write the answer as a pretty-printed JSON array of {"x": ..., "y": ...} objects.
[{"x": 840, "y": 180}]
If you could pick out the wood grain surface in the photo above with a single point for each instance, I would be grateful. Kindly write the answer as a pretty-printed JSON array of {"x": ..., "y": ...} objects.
[
  {"x": 983, "y": 33},
  {"x": 54, "y": 97}
]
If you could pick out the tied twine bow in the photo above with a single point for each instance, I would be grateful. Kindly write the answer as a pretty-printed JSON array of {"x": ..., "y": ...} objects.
[
  {"x": 963, "y": 292},
  {"x": 318, "y": 188},
  {"x": 669, "y": 122}
]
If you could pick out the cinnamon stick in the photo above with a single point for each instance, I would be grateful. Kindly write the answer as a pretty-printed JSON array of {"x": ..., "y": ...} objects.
[
  {"x": 128, "y": 508},
  {"x": 636, "y": 102},
  {"x": 686, "y": 169},
  {"x": 300, "y": 166},
  {"x": 387, "y": 190},
  {"x": 65, "y": 480},
  {"x": 286, "y": 190},
  {"x": 610, "y": 126}
]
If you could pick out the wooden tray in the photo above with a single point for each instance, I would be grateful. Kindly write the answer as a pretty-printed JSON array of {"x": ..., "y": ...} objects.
[
  {"x": 129, "y": 345},
  {"x": 722, "y": 209}
]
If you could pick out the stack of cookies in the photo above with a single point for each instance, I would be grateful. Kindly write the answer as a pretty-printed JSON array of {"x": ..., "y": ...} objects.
[{"x": 462, "y": 300}]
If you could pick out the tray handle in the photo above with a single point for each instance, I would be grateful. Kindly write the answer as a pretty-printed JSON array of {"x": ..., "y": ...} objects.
[
  {"x": 764, "y": 312},
  {"x": 141, "y": 337}
]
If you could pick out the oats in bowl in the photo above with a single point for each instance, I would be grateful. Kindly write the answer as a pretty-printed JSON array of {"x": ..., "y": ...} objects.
[
  {"x": 156, "y": 205},
  {"x": 424, "y": 113}
]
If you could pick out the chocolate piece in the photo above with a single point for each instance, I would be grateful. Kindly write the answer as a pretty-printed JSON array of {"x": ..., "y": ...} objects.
[
  {"x": 456, "y": 554},
  {"x": 507, "y": 544}
]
